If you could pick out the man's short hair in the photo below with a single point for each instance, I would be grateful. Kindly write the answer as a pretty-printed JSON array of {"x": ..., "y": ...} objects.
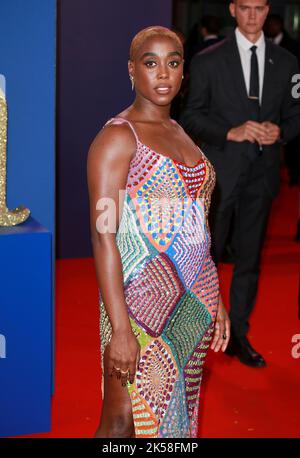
[
  {"x": 276, "y": 18},
  {"x": 211, "y": 24},
  {"x": 234, "y": 1}
]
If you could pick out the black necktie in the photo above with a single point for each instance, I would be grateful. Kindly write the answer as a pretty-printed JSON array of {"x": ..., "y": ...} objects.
[
  {"x": 254, "y": 97},
  {"x": 254, "y": 76}
]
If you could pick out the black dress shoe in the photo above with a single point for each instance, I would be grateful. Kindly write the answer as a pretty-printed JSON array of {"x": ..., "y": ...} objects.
[
  {"x": 294, "y": 181},
  {"x": 241, "y": 348}
]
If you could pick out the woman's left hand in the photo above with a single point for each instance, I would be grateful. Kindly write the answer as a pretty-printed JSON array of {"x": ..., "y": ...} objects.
[{"x": 221, "y": 334}]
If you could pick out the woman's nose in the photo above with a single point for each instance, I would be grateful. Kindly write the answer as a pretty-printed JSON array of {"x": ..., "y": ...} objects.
[{"x": 163, "y": 71}]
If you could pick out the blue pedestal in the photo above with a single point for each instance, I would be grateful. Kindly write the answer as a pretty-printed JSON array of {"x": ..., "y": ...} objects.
[{"x": 25, "y": 329}]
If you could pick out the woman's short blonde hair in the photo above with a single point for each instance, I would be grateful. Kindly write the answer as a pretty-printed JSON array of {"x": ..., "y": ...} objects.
[{"x": 153, "y": 31}]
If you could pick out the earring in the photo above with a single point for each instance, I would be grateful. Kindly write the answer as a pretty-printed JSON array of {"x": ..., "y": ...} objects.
[
  {"x": 132, "y": 81},
  {"x": 182, "y": 76}
]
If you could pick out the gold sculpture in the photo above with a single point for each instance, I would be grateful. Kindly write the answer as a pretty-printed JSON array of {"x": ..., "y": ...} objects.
[{"x": 19, "y": 214}]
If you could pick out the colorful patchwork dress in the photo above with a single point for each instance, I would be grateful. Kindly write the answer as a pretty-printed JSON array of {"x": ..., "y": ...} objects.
[{"x": 171, "y": 288}]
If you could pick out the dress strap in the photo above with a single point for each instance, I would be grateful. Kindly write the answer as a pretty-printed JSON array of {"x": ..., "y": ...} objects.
[{"x": 120, "y": 120}]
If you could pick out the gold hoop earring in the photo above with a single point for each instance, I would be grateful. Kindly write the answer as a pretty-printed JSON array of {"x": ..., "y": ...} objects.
[{"x": 132, "y": 81}]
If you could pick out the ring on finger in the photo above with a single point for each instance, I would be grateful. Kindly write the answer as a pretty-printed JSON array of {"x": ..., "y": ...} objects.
[
  {"x": 125, "y": 372},
  {"x": 224, "y": 336}
]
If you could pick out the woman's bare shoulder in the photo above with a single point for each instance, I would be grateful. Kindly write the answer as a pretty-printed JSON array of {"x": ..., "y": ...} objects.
[{"x": 113, "y": 139}]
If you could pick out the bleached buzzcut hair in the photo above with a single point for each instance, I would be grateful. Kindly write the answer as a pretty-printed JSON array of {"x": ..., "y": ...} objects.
[{"x": 153, "y": 31}]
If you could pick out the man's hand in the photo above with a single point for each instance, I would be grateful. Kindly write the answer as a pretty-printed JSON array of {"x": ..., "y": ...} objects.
[
  {"x": 272, "y": 133},
  {"x": 250, "y": 131},
  {"x": 265, "y": 133}
]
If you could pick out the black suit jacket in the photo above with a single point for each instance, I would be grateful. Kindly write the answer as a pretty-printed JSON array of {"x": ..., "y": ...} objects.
[
  {"x": 218, "y": 101},
  {"x": 207, "y": 43},
  {"x": 290, "y": 45}
]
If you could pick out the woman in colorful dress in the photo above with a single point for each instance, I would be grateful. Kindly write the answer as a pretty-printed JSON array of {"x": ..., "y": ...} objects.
[{"x": 160, "y": 309}]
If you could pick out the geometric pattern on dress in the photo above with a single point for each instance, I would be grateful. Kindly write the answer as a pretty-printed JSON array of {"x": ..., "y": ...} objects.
[
  {"x": 194, "y": 420},
  {"x": 143, "y": 338},
  {"x": 176, "y": 423},
  {"x": 163, "y": 301},
  {"x": 106, "y": 334},
  {"x": 156, "y": 377},
  {"x": 189, "y": 248},
  {"x": 132, "y": 248},
  {"x": 134, "y": 207},
  {"x": 140, "y": 167},
  {"x": 145, "y": 422},
  {"x": 204, "y": 345},
  {"x": 208, "y": 186},
  {"x": 193, "y": 371},
  {"x": 193, "y": 176},
  {"x": 186, "y": 327},
  {"x": 142, "y": 162},
  {"x": 206, "y": 287},
  {"x": 159, "y": 204},
  {"x": 152, "y": 294}
]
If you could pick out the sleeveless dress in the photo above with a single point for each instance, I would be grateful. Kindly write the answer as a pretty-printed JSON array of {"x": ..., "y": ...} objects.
[{"x": 171, "y": 288}]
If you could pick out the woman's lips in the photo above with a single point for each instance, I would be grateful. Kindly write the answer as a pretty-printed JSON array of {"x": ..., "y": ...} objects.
[{"x": 163, "y": 90}]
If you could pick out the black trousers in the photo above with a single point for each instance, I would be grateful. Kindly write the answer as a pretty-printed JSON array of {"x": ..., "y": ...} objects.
[
  {"x": 251, "y": 202},
  {"x": 292, "y": 159}
]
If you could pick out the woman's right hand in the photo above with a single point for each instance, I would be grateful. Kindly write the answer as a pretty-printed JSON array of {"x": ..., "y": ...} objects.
[{"x": 124, "y": 356}]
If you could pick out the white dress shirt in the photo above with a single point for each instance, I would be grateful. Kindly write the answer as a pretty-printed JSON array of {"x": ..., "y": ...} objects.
[
  {"x": 278, "y": 39},
  {"x": 244, "y": 46},
  {"x": 210, "y": 37}
]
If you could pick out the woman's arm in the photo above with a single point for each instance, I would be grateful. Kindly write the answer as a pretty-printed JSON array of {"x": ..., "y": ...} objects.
[{"x": 107, "y": 170}]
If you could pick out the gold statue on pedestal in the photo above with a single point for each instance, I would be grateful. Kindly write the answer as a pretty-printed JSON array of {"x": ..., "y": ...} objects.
[{"x": 19, "y": 214}]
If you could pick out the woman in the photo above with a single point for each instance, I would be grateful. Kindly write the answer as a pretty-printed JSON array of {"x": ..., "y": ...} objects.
[{"x": 159, "y": 289}]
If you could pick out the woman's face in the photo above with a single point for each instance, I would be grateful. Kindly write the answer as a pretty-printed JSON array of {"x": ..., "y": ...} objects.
[{"x": 157, "y": 70}]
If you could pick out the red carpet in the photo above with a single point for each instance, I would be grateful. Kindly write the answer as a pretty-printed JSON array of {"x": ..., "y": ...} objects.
[{"x": 237, "y": 401}]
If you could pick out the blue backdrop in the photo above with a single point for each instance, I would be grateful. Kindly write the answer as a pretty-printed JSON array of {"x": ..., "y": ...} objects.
[
  {"x": 93, "y": 84},
  {"x": 25, "y": 326},
  {"x": 28, "y": 52},
  {"x": 28, "y": 62}
]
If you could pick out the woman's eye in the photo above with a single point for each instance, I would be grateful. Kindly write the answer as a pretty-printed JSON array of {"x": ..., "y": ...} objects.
[
  {"x": 174, "y": 63},
  {"x": 150, "y": 63}
]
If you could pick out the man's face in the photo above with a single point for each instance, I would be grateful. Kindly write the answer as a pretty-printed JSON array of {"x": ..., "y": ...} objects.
[{"x": 250, "y": 15}]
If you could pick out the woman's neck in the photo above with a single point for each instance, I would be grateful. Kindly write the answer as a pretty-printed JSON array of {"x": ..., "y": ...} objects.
[{"x": 150, "y": 112}]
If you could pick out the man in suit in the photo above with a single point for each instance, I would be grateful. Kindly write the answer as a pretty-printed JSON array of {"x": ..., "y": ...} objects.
[
  {"x": 274, "y": 29},
  {"x": 204, "y": 34},
  {"x": 210, "y": 32},
  {"x": 241, "y": 107}
]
